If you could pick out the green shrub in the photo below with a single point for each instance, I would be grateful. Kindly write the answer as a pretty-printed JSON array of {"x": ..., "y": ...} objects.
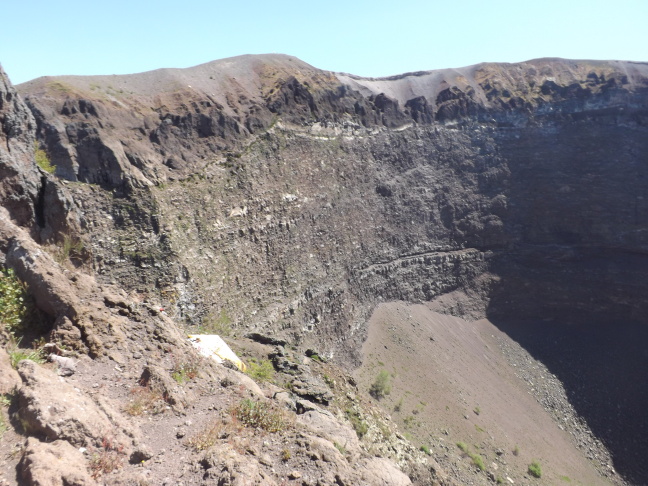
[
  {"x": 42, "y": 159},
  {"x": 381, "y": 386},
  {"x": 13, "y": 301},
  {"x": 259, "y": 415},
  {"x": 426, "y": 449},
  {"x": 260, "y": 370},
  {"x": 477, "y": 461},
  {"x": 535, "y": 470},
  {"x": 463, "y": 446}
]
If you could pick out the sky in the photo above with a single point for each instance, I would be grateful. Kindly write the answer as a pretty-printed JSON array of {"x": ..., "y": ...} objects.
[{"x": 368, "y": 38}]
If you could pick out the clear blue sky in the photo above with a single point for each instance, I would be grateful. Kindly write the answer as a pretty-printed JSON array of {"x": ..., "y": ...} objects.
[{"x": 368, "y": 38}]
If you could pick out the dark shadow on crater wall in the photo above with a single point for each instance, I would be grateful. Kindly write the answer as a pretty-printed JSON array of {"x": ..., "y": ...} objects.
[{"x": 579, "y": 321}]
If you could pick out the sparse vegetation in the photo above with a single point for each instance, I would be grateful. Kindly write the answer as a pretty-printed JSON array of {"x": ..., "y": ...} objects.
[
  {"x": 3, "y": 424},
  {"x": 71, "y": 248},
  {"x": 409, "y": 421},
  {"x": 187, "y": 369},
  {"x": 516, "y": 451},
  {"x": 285, "y": 455},
  {"x": 359, "y": 425},
  {"x": 330, "y": 382},
  {"x": 476, "y": 458},
  {"x": 426, "y": 449},
  {"x": 340, "y": 448},
  {"x": 42, "y": 160},
  {"x": 477, "y": 461},
  {"x": 6, "y": 399},
  {"x": 259, "y": 415},
  {"x": 205, "y": 438},
  {"x": 477, "y": 410},
  {"x": 381, "y": 386},
  {"x": 399, "y": 405},
  {"x": 535, "y": 470},
  {"x": 5, "y": 402},
  {"x": 107, "y": 458},
  {"x": 567, "y": 479},
  {"x": 145, "y": 400},
  {"x": 13, "y": 298},
  {"x": 220, "y": 324},
  {"x": 17, "y": 354},
  {"x": 260, "y": 370}
]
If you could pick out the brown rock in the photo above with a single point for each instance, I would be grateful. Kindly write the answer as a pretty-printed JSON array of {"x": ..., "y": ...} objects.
[
  {"x": 379, "y": 471},
  {"x": 226, "y": 466},
  {"x": 53, "y": 464},
  {"x": 161, "y": 381},
  {"x": 326, "y": 425},
  {"x": 52, "y": 408}
]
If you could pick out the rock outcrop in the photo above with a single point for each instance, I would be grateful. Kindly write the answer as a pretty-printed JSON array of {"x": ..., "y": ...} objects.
[
  {"x": 55, "y": 410},
  {"x": 18, "y": 171},
  {"x": 54, "y": 464}
]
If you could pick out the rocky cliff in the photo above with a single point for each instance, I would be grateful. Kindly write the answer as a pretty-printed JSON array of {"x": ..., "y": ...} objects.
[
  {"x": 292, "y": 199},
  {"x": 264, "y": 195}
]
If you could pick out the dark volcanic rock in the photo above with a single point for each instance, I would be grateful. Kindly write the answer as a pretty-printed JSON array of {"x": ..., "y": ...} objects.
[
  {"x": 18, "y": 171},
  {"x": 434, "y": 181}
]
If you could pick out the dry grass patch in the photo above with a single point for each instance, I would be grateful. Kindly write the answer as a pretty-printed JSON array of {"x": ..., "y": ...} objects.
[
  {"x": 260, "y": 415},
  {"x": 260, "y": 370},
  {"x": 145, "y": 400},
  {"x": 186, "y": 369},
  {"x": 106, "y": 458},
  {"x": 205, "y": 438}
]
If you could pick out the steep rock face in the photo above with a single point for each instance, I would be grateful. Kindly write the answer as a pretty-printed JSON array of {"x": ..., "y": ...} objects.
[
  {"x": 21, "y": 180},
  {"x": 31, "y": 196},
  {"x": 283, "y": 197}
]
